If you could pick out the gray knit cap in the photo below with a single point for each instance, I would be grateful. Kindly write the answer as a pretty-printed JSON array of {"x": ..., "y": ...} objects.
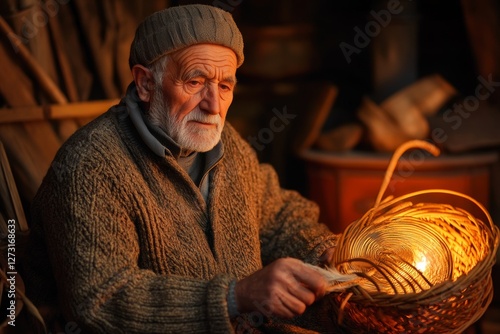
[{"x": 177, "y": 27}]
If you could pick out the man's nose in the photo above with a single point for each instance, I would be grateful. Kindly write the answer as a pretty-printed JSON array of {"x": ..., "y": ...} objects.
[{"x": 210, "y": 102}]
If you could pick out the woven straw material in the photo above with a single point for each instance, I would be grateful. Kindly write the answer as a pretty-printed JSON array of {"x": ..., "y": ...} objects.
[{"x": 420, "y": 267}]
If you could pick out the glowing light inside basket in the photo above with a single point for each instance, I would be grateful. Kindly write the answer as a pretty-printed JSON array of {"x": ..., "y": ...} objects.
[{"x": 421, "y": 263}]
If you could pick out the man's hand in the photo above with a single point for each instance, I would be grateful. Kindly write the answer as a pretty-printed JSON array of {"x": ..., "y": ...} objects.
[{"x": 284, "y": 288}]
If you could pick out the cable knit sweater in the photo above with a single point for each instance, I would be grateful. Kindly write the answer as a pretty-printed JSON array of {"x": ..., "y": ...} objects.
[{"x": 127, "y": 243}]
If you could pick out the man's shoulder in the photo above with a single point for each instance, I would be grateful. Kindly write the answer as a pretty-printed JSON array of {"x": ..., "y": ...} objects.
[
  {"x": 232, "y": 138},
  {"x": 237, "y": 150},
  {"x": 99, "y": 136},
  {"x": 103, "y": 129}
]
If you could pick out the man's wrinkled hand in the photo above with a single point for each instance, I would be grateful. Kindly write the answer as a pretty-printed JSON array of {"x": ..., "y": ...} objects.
[{"x": 284, "y": 288}]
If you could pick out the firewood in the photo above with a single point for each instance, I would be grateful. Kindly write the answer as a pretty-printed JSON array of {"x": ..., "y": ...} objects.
[
  {"x": 425, "y": 96},
  {"x": 382, "y": 131},
  {"x": 342, "y": 138}
]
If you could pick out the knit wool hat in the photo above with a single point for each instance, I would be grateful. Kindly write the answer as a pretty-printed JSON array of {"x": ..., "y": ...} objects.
[{"x": 177, "y": 27}]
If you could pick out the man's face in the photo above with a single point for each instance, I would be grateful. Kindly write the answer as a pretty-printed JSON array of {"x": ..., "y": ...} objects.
[{"x": 197, "y": 90}]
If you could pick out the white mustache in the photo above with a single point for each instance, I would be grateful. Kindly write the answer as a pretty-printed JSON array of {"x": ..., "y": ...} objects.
[{"x": 202, "y": 118}]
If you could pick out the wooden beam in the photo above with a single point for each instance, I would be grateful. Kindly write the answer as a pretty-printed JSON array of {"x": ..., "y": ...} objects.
[
  {"x": 21, "y": 114},
  {"x": 89, "y": 109},
  {"x": 80, "y": 109}
]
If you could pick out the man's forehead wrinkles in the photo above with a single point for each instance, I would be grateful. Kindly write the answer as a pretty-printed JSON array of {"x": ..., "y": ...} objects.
[
  {"x": 196, "y": 72},
  {"x": 207, "y": 64},
  {"x": 202, "y": 56},
  {"x": 199, "y": 69},
  {"x": 209, "y": 71}
]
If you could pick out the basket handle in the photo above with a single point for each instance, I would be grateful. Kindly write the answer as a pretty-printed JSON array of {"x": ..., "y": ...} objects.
[{"x": 412, "y": 144}]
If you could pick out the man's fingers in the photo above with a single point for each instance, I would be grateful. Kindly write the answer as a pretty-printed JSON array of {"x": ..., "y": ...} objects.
[
  {"x": 311, "y": 280},
  {"x": 287, "y": 286},
  {"x": 290, "y": 306},
  {"x": 302, "y": 293}
]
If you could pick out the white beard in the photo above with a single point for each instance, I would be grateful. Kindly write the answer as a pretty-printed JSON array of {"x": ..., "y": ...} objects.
[{"x": 189, "y": 136}]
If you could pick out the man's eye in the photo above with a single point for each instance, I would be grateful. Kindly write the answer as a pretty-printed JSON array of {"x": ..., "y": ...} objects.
[
  {"x": 225, "y": 88},
  {"x": 195, "y": 82}
]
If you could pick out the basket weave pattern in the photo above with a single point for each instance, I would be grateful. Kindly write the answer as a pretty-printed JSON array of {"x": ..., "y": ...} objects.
[{"x": 425, "y": 267}]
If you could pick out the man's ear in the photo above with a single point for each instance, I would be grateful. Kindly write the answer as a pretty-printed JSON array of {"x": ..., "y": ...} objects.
[{"x": 144, "y": 82}]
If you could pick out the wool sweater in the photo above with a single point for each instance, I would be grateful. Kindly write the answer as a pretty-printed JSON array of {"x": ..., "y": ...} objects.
[{"x": 123, "y": 241}]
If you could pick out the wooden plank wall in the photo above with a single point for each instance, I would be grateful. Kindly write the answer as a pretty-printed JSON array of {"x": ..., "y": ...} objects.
[{"x": 62, "y": 63}]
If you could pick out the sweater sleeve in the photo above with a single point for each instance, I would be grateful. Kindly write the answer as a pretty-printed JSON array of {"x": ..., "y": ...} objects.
[
  {"x": 290, "y": 226},
  {"x": 94, "y": 251}
]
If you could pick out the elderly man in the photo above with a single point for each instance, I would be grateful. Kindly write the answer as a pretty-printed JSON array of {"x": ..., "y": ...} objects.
[{"x": 157, "y": 217}]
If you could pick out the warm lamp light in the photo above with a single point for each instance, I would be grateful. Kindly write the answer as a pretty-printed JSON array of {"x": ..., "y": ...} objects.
[
  {"x": 421, "y": 263},
  {"x": 414, "y": 267}
]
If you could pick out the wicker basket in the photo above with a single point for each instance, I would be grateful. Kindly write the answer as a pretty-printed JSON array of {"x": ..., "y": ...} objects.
[{"x": 421, "y": 267}]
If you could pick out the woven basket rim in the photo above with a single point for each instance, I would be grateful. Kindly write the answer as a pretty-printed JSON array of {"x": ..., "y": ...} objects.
[{"x": 471, "y": 288}]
